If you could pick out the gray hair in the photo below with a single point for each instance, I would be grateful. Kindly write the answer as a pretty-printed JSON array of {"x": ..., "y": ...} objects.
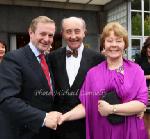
[{"x": 72, "y": 18}]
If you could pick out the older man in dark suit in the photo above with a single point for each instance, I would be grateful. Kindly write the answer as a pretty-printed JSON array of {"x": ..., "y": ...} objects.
[
  {"x": 69, "y": 66},
  {"x": 26, "y": 88}
]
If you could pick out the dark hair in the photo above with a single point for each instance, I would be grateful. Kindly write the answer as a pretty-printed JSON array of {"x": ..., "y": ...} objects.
[
  {"x": 144, "y": 48},
  {"x": 2, "y": 42}
]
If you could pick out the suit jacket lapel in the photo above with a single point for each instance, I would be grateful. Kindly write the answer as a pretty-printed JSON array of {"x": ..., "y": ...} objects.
[
  {"x": 63, "y": 76},
  {"x": 34, "y": 64}
]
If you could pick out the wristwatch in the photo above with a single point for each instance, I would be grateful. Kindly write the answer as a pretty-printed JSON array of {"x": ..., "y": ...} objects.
[{"x": 114, "y": 109}]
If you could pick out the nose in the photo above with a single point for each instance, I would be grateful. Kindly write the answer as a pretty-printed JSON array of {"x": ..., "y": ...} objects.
[
  {"x": 114, "y": 43},
  {"x": 73, "y": 35},
  {"x": 46, "y": 38}
]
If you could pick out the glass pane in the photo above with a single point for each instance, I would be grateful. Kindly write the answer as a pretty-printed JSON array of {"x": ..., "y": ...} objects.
[
  {"x": 146, "y": 5},
  {"x": 136, "y": 4},
  {"x": 136, "y": 23},
  {"x": 135, "y": 47},
  {"x": 22, "y": 40},
  {"x": 146, "y": 24}
]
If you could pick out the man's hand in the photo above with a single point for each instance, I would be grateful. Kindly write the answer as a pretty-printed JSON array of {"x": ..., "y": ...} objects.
[{"x": 51, "y": 119}]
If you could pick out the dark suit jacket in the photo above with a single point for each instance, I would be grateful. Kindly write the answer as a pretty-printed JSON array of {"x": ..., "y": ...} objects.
[
  {"x": 67, "y": 97},
  {"x": 24, "y": 96}
]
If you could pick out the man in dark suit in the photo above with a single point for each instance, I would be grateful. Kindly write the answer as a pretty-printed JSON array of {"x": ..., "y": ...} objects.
[
  {"x": 26, "y": 96},
  {"x": 69, "y": 72}
]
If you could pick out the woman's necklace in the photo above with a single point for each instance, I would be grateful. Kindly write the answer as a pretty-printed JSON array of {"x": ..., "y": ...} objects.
[{"x": 120, "y": 69}]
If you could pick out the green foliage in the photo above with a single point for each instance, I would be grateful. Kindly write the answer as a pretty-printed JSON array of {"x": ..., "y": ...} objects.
[
  {"x": 136, "y": 24},
  {"x": 147, "y": 26}
]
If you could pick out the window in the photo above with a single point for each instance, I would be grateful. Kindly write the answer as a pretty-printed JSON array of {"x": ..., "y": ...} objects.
[
  {"x": 136, "y": 23},
  {"x": 139, "y": 25},
  {"x": 136, "y": 4},
  {"x": 146, "y": 24},
  {"x": 146, "y": 5},
  {"x": 135, "y": 47}
]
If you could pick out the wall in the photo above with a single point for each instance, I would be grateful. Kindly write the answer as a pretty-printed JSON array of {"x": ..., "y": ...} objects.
[{"x": 16, "y": 19}]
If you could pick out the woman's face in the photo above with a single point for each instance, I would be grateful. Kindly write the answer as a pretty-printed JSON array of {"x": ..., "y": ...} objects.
[
  {"x": 114, "y": 46},
  {"x": 2, "y": 50},
  {"x": 148, "y": 51}
]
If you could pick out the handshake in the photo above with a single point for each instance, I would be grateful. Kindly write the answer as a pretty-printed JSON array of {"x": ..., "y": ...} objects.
[{"x": 53, "y": 119}]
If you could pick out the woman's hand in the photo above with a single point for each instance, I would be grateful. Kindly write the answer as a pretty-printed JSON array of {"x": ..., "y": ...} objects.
[
  {"x": 104, "y": 108},
  {"x": 76, "y": 113},
  {"x": 63, "y": 118},
  {"x": 141, "y": 114}
]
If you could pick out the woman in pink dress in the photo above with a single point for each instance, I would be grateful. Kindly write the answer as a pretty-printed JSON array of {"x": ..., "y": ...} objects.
[{"x": 115, "y": 74}]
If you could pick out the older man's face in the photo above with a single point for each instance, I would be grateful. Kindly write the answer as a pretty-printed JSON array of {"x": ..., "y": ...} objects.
[{"x": 73, "y": 33}]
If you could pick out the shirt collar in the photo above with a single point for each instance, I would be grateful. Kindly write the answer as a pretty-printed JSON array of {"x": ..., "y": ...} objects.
[
  {"x": 34, "y": 49},
  {"x": 80, "y": 49}
]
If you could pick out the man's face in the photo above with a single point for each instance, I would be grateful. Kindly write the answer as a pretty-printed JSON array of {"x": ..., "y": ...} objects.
[
  {"x": 73, "y": 33},
  {"x": 42, "y": 38}
]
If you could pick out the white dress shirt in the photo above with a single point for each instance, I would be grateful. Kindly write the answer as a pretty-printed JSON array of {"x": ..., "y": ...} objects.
[
  {"x": 73, "y": 64},
  {"x": 35, "y": 51}
]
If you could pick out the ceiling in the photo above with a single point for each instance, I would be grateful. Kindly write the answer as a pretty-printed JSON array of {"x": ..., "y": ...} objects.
[
  {"x": 91, "y": 2},
  {"x": 90, "y": 5}
]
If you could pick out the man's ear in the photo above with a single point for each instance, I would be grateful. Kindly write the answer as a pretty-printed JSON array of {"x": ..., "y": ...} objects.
[{"x": 29, "y": 31}]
